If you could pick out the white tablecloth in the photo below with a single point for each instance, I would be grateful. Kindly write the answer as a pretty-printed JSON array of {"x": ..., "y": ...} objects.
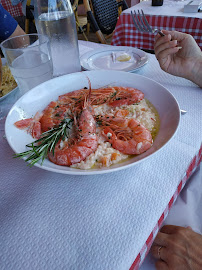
[
  {"x": 54, "y": 221},
  {"x": 169, "y": 8}
]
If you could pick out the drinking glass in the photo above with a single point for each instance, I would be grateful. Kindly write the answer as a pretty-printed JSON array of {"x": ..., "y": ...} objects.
[
  {"x": 29, "y": 59},
  {"x": 56, "y": 19}
]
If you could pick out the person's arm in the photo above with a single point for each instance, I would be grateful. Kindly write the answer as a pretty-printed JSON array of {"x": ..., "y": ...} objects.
[
  {"x": 18, "y": 32},
  {"x": 179, "y": 55},
  {"x": 177, "y": 248},
  {"x": 196, "y": 73},
  {"x": 8, "y": 25}
]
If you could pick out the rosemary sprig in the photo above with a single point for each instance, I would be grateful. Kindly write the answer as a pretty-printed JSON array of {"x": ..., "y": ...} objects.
[{"x": 40, "y": 148}]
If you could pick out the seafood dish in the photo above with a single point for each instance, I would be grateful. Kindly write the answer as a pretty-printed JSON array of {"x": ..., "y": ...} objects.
[{"x": 92, "y": 128}]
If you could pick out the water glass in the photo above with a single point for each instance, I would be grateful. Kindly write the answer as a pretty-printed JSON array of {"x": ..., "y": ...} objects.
[
  {"x": 56, "y": 19},
  {"x": 29, "y": 59}
]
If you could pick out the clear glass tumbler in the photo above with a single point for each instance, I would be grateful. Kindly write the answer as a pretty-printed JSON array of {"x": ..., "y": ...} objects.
[{"x": 29, "y": 59}]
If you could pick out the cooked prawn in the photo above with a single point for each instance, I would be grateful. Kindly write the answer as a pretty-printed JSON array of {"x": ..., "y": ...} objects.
[
  {"x": 53, "y": 114},
  {"x": 32, "y": 125},
  {"x": 125, "y": 134},
  {"x": 121, "y": 113},
  {"x": 84, "y": 143},
  {"x": 128, "y": 136},
  {"x": 56, "y": 111},
  {"x": 98, "y": 96},
  {"x": 125, "y": 96},
  {"x": 113, "y": 96}
]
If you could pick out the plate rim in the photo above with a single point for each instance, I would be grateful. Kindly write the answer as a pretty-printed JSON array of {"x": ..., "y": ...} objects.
[
  {"x": 88, "y": 54},
  {"x": 75, "y": 171}
]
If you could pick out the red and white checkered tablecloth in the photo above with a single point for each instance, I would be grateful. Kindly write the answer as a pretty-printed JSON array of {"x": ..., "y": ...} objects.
[
  {"x": 126, "y": 34},
  {"x": 15, "y": 11}
]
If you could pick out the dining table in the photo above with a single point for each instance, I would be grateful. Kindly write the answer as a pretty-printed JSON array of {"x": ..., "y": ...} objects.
[
  {"x": 169, "y": 16},
  {"x": 51, "y": 220},
  {"x": 15, "y": 11}
]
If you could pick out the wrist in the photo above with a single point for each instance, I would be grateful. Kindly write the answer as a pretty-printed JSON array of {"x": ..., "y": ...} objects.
[{"x": 195, "y": 74}]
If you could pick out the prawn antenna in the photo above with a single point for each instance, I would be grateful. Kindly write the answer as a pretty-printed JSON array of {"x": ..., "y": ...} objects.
[{"x": 90, "y": 89}]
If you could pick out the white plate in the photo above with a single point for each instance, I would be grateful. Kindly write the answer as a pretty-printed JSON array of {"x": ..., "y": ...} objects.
[
  {"x": 102, "y": 59},
  {"x": 14, "y": 89},
  {"x": 39, "y": 97}
]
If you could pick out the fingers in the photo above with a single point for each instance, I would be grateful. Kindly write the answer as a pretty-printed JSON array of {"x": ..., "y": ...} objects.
[
  {"x": 161, "y": 265},
  {"x": 175, "y": 247},
  {"x": 166, "y": 49},
  {"x": 173, "y": 229},
  {"x": 159, "y": 252},
  {"x": 160, "y": 40},
  {"x": 164, "y": 44},
  {"x": 161, "y": 239},
  {"x": 189, "y": 227},
  {"x": 175, "y": 35},
  {"x": 170, "y": 229}
]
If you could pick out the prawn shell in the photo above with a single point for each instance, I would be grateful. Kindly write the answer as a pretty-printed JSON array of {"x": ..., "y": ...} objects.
[
  {"x": 126, "y": 96},
  {"x": 141, "y": 141},
  {"x": 32, "y": 125},
  {"x": 52, "y": 116},
  {"x": 83, "y": 147},
  {"x": 75, "y": 154},
  {"x": 24, "y": 123}
]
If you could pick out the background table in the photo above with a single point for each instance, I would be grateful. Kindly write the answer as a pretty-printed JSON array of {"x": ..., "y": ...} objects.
[
  {"x": 54, "y": 221},
  {"x": 15, "y": 11},
  {"x": 170, "y": 16}
]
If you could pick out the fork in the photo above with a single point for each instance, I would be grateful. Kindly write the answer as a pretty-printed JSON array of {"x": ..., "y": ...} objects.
[{"x": 142, "y": 24}]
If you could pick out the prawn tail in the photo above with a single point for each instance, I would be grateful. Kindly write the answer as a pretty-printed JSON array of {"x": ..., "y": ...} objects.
[
  {"x": 24, "y": 123},
  {"x": 31, "y": 125}
]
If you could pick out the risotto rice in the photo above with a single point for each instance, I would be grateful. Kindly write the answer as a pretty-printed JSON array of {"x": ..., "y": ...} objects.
[{"x": 106, "y": 155}]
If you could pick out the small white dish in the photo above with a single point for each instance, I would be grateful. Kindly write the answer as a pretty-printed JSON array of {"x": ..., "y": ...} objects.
[
  {"x": 103, "y": 59},
  {"x": 39, "y": 97}
]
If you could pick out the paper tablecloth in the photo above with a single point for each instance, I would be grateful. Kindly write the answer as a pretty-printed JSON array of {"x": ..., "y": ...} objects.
[{"x": 55, "y": 221}]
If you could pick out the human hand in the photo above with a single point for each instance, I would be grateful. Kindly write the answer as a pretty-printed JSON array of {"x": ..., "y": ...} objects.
[
  {"x": 178, "y": 54},
  {"x": 177, "y": 248}
]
